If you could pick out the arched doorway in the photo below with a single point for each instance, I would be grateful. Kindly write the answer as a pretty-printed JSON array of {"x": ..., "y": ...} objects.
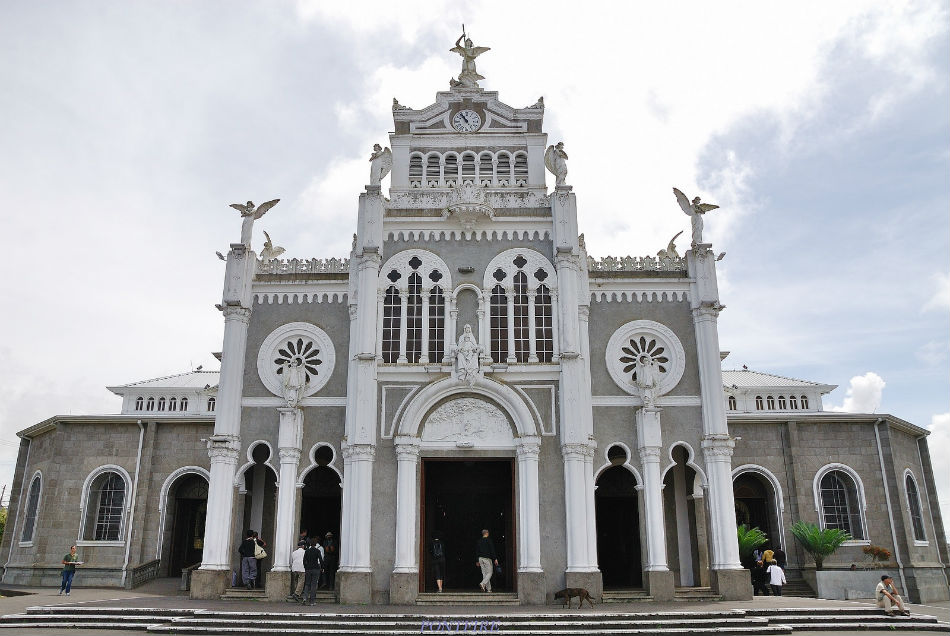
[
  {"x": 756, "y": 505},
  {"x": 188, "y": 504},
  {"x": 260, "y": 504},
  {"x": 321, "y": 497},
  {"x": 680, "y": 518},
  {"x": 618, "y": 524}
]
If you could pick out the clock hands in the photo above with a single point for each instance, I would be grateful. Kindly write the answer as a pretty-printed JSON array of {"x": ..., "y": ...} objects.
[{"x": 462, "y": 115}]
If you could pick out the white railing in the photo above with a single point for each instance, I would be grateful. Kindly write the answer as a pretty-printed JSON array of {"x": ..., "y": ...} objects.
[
  {"x": 304, "y": 266},
  {"x": 635, "y": 264}
]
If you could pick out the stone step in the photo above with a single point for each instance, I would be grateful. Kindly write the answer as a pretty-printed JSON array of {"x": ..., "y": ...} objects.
[
  {"x": 131, "y": 618},
  {"x": 467, "y": 598},
  {"x": 696, "y": 594},
  {"x": 244, "y": 594},
  {"x": 625, "y": 596},
  {"x": 567, "y": 623},
  {"x": 846, "y": 626},
  {"x": 588, "y": 630}
]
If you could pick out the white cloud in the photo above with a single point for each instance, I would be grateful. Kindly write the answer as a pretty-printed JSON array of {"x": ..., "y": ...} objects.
[
  {"x": 864, "y": 394},
  {"x": 939, "y": 444},
  {"x": 940, "y": 301},
  {"x": 932, "y": 353}
]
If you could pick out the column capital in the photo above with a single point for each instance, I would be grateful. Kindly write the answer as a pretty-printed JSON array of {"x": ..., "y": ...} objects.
[
  {"x": 718, "y": 447},
  {"x": 289, "y": 455},
  {"x": 566, "y": 258},
  {"x": 224, "y": 449},
  {"x": 407, "y": 447},
  {"x": 708, "y": 310},
  {"x": 529, "y": 447},
  {"x": 577, "y": 450},
  {"x": 352, "y": 308},
  {"x": 358, "y": 452},
  {"x": 370, "y": 258},
  {"x": 236, "y": 312},
  {"x": 583, "y": 311},
  {"x": 649, "y": 453}
]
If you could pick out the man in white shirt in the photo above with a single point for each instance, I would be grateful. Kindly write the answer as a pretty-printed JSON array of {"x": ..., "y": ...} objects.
[
  {"x": 887, "y": 596},
  {"x": 776, "y": 577},
  {"x": 296, "y": 572}
]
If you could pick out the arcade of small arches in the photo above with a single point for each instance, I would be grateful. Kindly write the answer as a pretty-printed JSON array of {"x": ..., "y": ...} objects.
[
  {"x": 769, "y": 403},
  {"x": 168, "y": 404},
  {"x": 418, "y": 316},
  {"x": 445, "y": 170}
]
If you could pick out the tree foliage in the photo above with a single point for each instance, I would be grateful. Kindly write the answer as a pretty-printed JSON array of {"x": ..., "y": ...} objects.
[
  {"x": 818, "y": 542},
  {"x": 749, "y": 540}
]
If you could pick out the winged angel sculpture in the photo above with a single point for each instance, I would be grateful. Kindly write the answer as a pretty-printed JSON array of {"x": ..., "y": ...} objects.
[
  {"x": 270, "y": 252},
  {"x": 380, "y": 163},
  {"x": 695, "y": 211},
  {"x": 469, "y": 77},
  {"x": 555, "y": 160},
  {"x": 249, "y": 214}
]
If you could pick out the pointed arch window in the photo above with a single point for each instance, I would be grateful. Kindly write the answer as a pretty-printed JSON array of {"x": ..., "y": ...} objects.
[
  {"x": 32, "y": 508},
  {"x": 840, "y": 503},
  {"x": 436, "y": 325},
  {"x": 414, "y": 318},
  {"x": 913, "y": 507},
  {"x": 498, "y": 322},
  {"x": 391, "y": 320},
  {"x": 543, "y": 324},
  {"x": 521, "y": 324}
]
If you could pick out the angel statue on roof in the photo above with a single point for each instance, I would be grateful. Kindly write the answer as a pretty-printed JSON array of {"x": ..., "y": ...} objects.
[
  {"x": 249, "y": 214},
  {"x": 380, "y": 163},
  {"x": 555, "y": 160},
  {"x": 469, "y": 77},
  {"x": 695, "y": 210}
]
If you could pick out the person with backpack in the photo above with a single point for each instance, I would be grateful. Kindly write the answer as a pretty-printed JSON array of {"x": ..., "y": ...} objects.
[
  {"x": 248, "y": 562},
  {"x": 438, "y": 561},
  {"x": 312, "y": 564}
]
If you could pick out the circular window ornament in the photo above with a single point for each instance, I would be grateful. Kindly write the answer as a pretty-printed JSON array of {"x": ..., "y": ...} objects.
[
  {"x": 645, "y": 340},
  {"x": 296, "y": 344}
]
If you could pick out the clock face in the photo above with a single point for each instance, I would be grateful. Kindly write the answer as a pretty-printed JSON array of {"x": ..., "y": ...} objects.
[{"x": 467, "y": 121}]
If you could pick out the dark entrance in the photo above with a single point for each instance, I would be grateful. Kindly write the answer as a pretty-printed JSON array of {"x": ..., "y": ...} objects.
[
  {"x": 320, "y": 501},
  {"x": 460, "y": 497},
  {"x": 754, "y": 504},
  {"x": 618, "y": 529},
  {"x": 190, "y": 505}
]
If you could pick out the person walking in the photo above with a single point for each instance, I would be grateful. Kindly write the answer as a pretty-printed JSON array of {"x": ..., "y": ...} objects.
[
  {"x": 312, "y": 563},
  {"x": 776, "y": 577},
  {"x": 248, "y": 561},
  {"x": 70, "y": 561},
  {"x": 760, "y": 579},
  {"x": 330, "y": 557},
  {"x": 260, "y": 554},
  {"x": 297, "y": 572},
  {"x": 485, "y": 550},
  {"x": 438, "y": 561},
  {"x": 781, "y": 558}
]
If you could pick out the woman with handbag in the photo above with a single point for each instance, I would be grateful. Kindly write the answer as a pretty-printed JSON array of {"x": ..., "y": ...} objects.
[{"x": 259, "y": 555}]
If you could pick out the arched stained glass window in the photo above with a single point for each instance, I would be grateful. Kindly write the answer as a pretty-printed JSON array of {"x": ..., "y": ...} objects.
[{"x": 840, "y": 503}]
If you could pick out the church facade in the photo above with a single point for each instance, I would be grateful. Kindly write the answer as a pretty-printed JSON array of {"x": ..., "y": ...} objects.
[{"x": 470, "y": 366}]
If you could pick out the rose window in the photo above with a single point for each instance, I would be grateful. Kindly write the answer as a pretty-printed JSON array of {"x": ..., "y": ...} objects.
[
  {"x": 299, "y": 352},
  {"x": 640, "y": 347}
]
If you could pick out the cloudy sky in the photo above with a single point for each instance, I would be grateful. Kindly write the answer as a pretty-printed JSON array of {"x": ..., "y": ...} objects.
[{"x": 821, "y": 129}]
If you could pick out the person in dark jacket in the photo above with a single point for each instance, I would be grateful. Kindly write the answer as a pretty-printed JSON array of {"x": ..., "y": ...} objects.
[
  {"x": 485, "y": 551},
  {"x": 760, "y": 579},
  {"x": 312, "y": 564},
  {"x": 438, "y": 561},
  {"x": 781, "y": 558},
  {"x": 330, "y": 560},
  {"x": 248, "y": 562}
]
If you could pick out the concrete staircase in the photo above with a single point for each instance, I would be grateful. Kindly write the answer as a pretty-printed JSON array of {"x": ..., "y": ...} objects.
[
  {"x": 243, "y": 594},
  {"x": 696, "y": 594},
  {"x": 467, "y": 598},
  {"x": 574, "y": 623},
  {"x": 625, "y": 596},
  {"x": 797, "y": 587}
]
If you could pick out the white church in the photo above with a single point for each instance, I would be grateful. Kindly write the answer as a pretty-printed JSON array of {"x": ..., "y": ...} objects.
[{"x": 470, "y": 366}]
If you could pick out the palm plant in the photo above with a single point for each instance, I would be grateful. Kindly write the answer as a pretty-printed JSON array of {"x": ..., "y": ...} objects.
[
  {"x": 749, "y": 540},
  {"x": 818, "y": 542}
]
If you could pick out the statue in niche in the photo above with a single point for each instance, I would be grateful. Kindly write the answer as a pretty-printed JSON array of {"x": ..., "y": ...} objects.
[
  {"x": 648, "y": 379},
  {"x": 469, "y": 77},
  {"x": 249, "y": 214},
  {"x": 467, "y": 353},
  {"x": 555, "y": 160},
  {"x": 294, "y": 377},
  {"x": 380, "y": 163},
  {"x": 695, "y": 211}
]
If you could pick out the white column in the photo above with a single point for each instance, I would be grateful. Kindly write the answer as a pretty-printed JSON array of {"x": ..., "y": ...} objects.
[
  {"x": 575, "y": 496},
  {"x": 532, "y": 329},
  {"x": 380, "y": 302},
  {"x": 649, "y": 443},
  {"x": 450, "y": 327},
  {"x": 407, "y": 461},
  {"x": 683, "y": 539},
  {"x": 483, "y": 327},
  {"x": 717, "y": 449},
  {"x": 357, "y": 506},
  {"x": 555, "y": 319},
  {"x": 403, "y": 325},
  {"x": 223, "y": 451},
  {"x": 510, "y": 295},
  {"x": 529, "y": 508},
  {"x": 289, "y": 438},
  {"x": 424, "y": 358},
  {"x": 591, "y": 510}
]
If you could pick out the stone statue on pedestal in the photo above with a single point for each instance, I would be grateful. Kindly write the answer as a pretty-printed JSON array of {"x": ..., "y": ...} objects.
[
  {"x": 294, "y": 378},
  {"x": 380, "y": 163},
  {"x": 467, "y": 354},
  {"x": 555, "y": 160},
  {"x": 648, "y": 379},
  {"x": 695, "y": 211},
  {"x": 270, "y": 252},
  {"x": 249, "y": 214},
  {"x": 469, "y": 77}
]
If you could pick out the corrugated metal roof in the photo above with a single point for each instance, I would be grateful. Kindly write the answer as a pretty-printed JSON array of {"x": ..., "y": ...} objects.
[
  {"x": 744, "y": 378},
  {"x": 189, "y": 380}
]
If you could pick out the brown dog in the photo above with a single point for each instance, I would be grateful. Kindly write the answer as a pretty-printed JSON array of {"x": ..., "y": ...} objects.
[{"x": 570, "y": 592}]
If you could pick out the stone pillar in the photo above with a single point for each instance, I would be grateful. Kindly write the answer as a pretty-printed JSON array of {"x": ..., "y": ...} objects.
[
  {"x": 657, "y": 576},
  {"x": 355, "y": 576},
  {"x": 530, "y": 574},
  {"x": 213, "y": 577},
  {"x": 582, "y": 568},
  {"x": 510, "y": 296},
  {"x": 403, "y": 325},
  {"x": 424, "y": 357},
  {"x": 532, "y": 329},
  {"x": 289, "y": 440},
  {"x": 728, "y": 576},
  {"x": 451, "y": 327},
  {"x": 404, "y": 581}
]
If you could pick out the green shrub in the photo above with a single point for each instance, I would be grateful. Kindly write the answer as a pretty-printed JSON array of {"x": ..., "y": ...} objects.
[
  {"x": 749, "y": 540},
  {"x": 818, "y": 542}
]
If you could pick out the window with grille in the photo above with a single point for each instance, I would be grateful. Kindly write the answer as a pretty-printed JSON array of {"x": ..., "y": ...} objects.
[
  {"x": 840, "y": 507},
  {"x": 414, "y": 318},
  {"x": 732, "y": 403},
  {"x": 161, "y": 404},
  {"x": 521, "y": 169},
  {"x": 913, "y": 505},
  {"x": 804, "y": 401},
  {"x": 781, "y": 402},
  {"x": 451, "y": 170},
  {"x": 32, "y": 507},
  {"x": 521, "y": 325},
  {"x": 758, "y": 403},
  {"x": 504, "y": 168},
  {"x": 150, "y": 405},
  {"x": 108, "y": 496},
  {"x": 436, "y": 325},
  {"x": 468, "y": 167},
  {"x": 415, "y": 171},
  {"x": 486, "y": 168},
  {"x": 211, "y": 404},
  {"x": 184, "y": 404},
  {"x": 793, "y": 402},
  {"x": 544, "y": 326},
  {"x": 139, "y": 404},
  {"x": 499, "y": 324},
  {"x": 391, "y": 318},
  {"x": 770, "y": 403},
  {"x": 173, "y": 404},
  {"x": 433, "y": 168}
]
